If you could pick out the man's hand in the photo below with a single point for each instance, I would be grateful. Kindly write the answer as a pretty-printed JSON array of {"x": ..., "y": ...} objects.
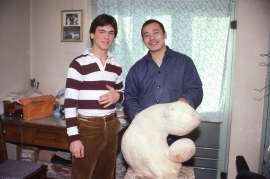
[
  {"x": 136, "y": 114},
  {"x": 109, "y": 98},
  {"x": 183, "y": 100},
  {"x": 77, "y": 149}
]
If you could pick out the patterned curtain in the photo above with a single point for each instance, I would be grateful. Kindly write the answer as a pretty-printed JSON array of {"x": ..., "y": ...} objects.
[{"x": 197, "y": 28}]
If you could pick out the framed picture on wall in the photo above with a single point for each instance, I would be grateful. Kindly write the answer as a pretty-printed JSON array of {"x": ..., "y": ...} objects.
[{"x": 71, "y": 26}]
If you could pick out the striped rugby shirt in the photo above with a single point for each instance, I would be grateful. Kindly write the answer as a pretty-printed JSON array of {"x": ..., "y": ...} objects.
[{"x": 86, "y": 82}]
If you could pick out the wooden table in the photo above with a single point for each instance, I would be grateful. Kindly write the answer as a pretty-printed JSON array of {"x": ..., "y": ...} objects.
[{"x": 47, "y": 132}]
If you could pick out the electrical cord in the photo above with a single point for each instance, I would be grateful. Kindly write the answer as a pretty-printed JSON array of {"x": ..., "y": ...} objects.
[{"x": 20, "y": 147}]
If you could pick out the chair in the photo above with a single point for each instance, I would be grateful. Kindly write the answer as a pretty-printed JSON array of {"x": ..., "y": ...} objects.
[
  {"x": 17, "y": 169},
  {"x": 243, "y": 171}
]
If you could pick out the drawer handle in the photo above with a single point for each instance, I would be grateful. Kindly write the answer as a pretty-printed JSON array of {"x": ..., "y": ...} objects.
[
  {"x": 51, "y": 138},
  {"x": 16, "y": 133}
]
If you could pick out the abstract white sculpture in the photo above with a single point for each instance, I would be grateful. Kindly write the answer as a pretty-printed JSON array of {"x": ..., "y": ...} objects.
[{"x": 144, "y": 144}]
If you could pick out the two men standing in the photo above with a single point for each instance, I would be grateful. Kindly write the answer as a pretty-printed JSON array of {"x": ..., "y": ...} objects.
[{"x": 94, "y": 85}]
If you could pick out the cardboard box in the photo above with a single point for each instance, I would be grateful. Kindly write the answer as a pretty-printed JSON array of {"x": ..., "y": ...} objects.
[
  {"x": 38, "y": 107},
  {"x": 46, "y": 155},
  {"x": 28, "y": 155}
]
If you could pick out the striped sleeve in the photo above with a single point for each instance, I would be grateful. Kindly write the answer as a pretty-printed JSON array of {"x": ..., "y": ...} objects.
[{"x": 73, "y": 85}]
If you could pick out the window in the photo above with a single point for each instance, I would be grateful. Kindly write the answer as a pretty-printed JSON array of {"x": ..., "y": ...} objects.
[{"x": 198, "y": 29}]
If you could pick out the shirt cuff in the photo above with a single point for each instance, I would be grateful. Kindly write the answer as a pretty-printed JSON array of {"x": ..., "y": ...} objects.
[
  {"x": 120, "y": 98},
  {"x": 73, "y": 138}
]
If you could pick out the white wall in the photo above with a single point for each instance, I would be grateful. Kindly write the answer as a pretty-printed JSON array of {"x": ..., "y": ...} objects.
[
  {"x": 252, "y": 39},
  {"x": 31, "y": 46},
  {"x": 14, "y": 46},
  {"x": 50, "y": 57}
]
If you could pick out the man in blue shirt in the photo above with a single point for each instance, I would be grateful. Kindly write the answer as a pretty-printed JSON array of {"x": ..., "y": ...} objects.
[{"x": 161, "y": 76}]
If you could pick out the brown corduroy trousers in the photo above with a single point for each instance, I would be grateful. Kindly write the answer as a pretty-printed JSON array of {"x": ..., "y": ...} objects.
[{"x": 100, "y": 146}]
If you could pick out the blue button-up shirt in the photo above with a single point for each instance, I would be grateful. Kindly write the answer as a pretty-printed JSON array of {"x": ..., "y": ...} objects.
[{"x": 148, "y": 84}]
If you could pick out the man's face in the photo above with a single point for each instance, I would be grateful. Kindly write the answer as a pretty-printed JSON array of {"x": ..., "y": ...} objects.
[
  {"x": 103, "y": 37},
  {"x": 153, "y": 37}
]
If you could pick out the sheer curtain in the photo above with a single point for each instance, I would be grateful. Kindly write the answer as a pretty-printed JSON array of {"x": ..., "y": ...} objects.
[{"x": 197, "y": 28}]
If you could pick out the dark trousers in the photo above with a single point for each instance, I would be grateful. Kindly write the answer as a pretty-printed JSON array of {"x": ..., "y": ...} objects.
[{"x": 100, "y": 146}]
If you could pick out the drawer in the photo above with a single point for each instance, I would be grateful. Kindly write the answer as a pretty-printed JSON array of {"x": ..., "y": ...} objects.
[
  {"x": 13, "y": 134},
  {"x": 49, "y": 138}
]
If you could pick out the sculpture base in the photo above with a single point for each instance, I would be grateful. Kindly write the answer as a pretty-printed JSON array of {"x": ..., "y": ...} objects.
[{"x": 185, "y": 173}]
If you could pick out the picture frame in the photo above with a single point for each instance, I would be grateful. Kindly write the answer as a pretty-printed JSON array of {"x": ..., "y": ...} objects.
[{"x": 71, "y": 26}]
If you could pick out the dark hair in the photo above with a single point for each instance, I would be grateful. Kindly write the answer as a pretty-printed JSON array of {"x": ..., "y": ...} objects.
[
  {"x": 103, "y": 20},
  {"x": 150, "y": 21}
]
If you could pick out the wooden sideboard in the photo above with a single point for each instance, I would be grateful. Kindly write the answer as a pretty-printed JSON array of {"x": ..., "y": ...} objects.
[{"x": 47, "y": 132}]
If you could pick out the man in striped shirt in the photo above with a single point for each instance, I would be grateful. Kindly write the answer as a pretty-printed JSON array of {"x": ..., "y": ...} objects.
[{"x": 93, "y": 86}]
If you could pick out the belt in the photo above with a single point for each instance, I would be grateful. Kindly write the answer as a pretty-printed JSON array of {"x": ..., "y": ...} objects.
[{"x": 100, "y": 119}]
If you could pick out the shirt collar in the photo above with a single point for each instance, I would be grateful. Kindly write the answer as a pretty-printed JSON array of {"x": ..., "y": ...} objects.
[
  {"x": 168, "y": 52},
  {"x": 87, "y": 52}
]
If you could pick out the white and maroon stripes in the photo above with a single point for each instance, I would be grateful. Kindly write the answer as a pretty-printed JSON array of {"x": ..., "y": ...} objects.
[{"x": 86, "y": 82}]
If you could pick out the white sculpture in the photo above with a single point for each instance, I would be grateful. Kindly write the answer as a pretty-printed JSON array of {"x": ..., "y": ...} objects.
[{"x": 144, "y": 144}]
